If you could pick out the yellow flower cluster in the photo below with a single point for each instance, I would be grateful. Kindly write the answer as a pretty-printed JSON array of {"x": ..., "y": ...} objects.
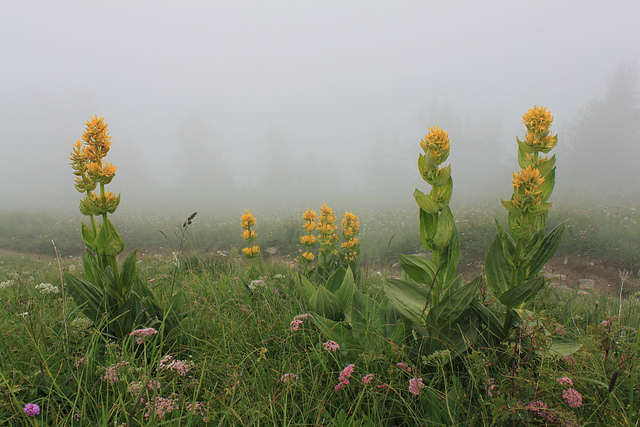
[
  {"x": 350, "y": 229},
  {"x": 437, "y": 142},
  {"x": 309, "y": 239},
  {"x": 247, "y": 221},
  {"x": 87, "y": 163},
  {"x": 526, "y": 184},
  {"x": 538, "y": 121},
  {"x": 326, "y": 231}
]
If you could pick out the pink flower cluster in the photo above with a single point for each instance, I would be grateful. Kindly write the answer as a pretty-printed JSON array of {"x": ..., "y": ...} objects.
[
  {"x": 344, "y": 377},
  {"x": 135, "y": 387},
  {"x": 565, "y": 380},
  {"x": 31, "y": 410},
  {"x": 298, "y": 320},
  {"x": 404, "y": 367},
  {"x": 141, "y": 334},
  {"x": 415, "y": 385},
  {"x": 367, "y": 379},
  {"x": 539, "y": 408},
  {"x": 491, "y": 384},
  {"x": 175, "y": 365},
  {"x": 290, "y": 377},
  {"x": 161, "y": 406},
  {"x": 331, "y": 346},
  {"x": 197, "y": 408},
  {"x": 111, "y": 374},
  {"x": 572, "y": 397}
]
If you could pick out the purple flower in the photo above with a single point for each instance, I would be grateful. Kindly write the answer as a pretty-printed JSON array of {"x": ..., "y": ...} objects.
[
  {"x": 141, "y": 334},
  {"x": 31, "y": 410}
]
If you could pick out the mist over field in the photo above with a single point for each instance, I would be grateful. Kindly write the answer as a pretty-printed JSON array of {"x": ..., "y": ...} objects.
[{"x": 221, "y": 106}]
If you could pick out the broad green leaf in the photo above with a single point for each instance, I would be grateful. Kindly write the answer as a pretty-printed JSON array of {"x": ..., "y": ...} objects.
[
  {"x": 547, "y": 186},
  {"x": 497, "y": 269},
  {"x": 546, "y": 250},
  {"x": 87, "y": 297},
  {"x": 128, "y": 274},
  {"x": 325, "y": 303},
  {"x": 454, "y": 303},
  {"x": 418, "y": 268},
  {"x": 425, "y": 202},
  {"x": 489, "y": 319},
  {"x": 509, "y": 206},
  {"x": 335, "y": 281},
  {"x": 444, "y": 175},
  {"x": 306, "y": 288},
  {"x": 449, "y": 257},
  {"x": 88, "y": 237},
  {"x": 427, "y": 228},
  {"x": 91, "y": 268},
  {"x": 344, "y": 294},
  {"x": 444, "y": 228},
  {"x": 522, "y": 293},
  {"x": 564, "y": 347},
  {"x": 108, "y": 241},
  {"x": 409, "y": 298}
]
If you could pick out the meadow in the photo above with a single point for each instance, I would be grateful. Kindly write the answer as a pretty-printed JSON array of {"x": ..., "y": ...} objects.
[{"x": 430, "y": 315}]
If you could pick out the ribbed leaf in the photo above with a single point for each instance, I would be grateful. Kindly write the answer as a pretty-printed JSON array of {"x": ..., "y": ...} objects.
[
  {"x": 418, "y": 268},
  {"x": 453, "y": 303},
  {"x": 522, "y": 293},
  {"x": 497, "y": 269},
  {"x": 546, "y": 250},
  {"x": 88, "y": 297},
  {"x": 409, "y": 298},
  {"x": 325, "y": 303},
  {"x": 344, "y": 294}
]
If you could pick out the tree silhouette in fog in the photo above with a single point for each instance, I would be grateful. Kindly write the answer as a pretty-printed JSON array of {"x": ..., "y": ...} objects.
[{"x": 605, "y": 139}]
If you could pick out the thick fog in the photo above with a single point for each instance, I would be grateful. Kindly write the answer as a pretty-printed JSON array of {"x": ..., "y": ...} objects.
[{"x": 233, "y": 104}]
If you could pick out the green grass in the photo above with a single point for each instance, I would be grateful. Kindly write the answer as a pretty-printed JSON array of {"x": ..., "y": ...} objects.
[{"x": 238, "y": 342}]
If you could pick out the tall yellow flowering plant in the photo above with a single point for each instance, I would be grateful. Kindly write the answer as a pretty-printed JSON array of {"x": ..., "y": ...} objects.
[
  {"x": 109, "y": 295},
  {"x": 430, "y": 295},
  {"x": 514, "y": 261}
]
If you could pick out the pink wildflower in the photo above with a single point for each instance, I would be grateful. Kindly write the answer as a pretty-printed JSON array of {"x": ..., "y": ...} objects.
[
  {"x": 367, "y": 379},
  {"x": 295, "y": 325},
  {"x": 539, "y": 408},
  {"x": 79, "y": 362},
  {"x": 31, "y": 410},
  {"x": 160, "y": 406},
  {"x": 404, "y": 367},
  {"x": 331, "y": 346},
  {"x": 346, "y": 372},
  {"x": 111, "y": 374},
  {"x": 491, "y": 383},
  {"x": 569, "y": 359},
  {"x": 565, "y": 380},
  {"x": 288, "y": 377},
  {"x": 175, "y": 365},
  {"x": 415, "y": 384},
  {"x": 197, "y": 408},
  {"x": 572, "y": 397},
  {"x": 341, "y": 384},
  {"x": 141, "y": 334},
  {"x": 381, "y": 386}
]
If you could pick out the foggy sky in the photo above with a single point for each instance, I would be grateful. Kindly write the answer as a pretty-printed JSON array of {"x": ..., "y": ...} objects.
[{"x": 329, "y": 77}]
